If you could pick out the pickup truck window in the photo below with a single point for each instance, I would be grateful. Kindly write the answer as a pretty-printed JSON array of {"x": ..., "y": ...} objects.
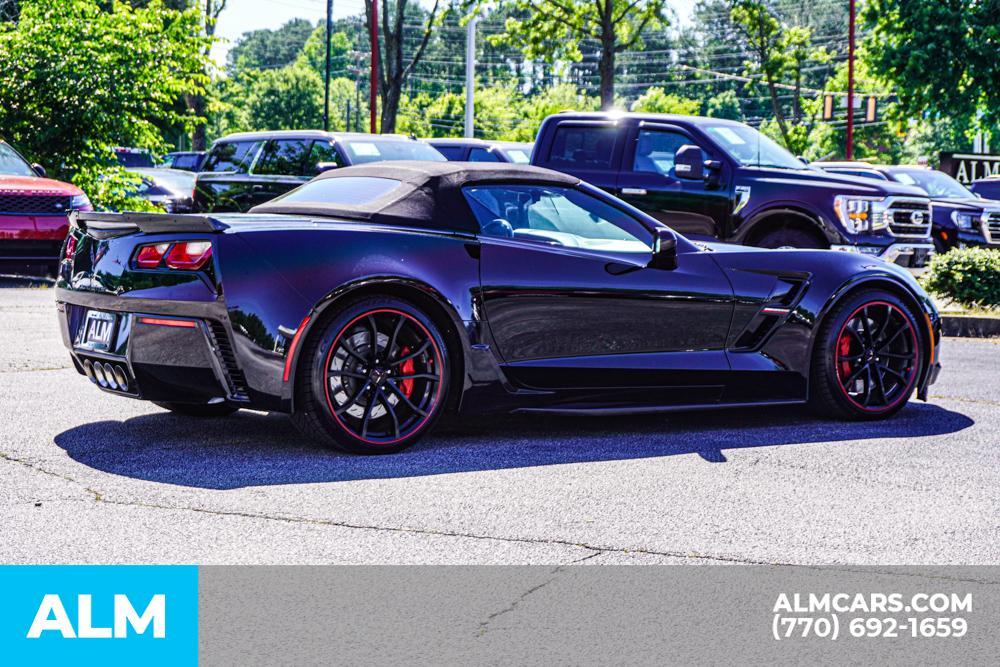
[
  {"x": 451, "y": 152},
  {"x": 555, "y": 216},
  {"x": 482, "y": 155},
  {"x": 655, "y": 151},
  {"x": 234, "y": 156},
  {"x": 751, "y": 148},
  {"x": 322, "y": 151},
  {"x": 284, "y": 157},
  {"x": 583, "y": 147}
]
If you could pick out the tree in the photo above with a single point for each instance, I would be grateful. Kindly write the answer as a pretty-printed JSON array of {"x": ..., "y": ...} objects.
[
  {"x": 289, "y": 98},
  {"x": 393, "y": 69},
  {"x": 724, "y": 105},
  {"x": 76, "y": 80},
  {"x": 271, "y": 49},
  {"x": 209, "y": 11},
  {"x": 655, "y": 100},
  {"x": 941, "y": 55},
  {"x": 554, "y": 29},
  {"x": 778, "y": 53}
]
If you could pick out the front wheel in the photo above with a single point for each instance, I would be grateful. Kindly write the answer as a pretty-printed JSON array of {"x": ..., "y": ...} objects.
[
  {"x": 374, "y": 380},
  {"x": 867, "y": 358}
]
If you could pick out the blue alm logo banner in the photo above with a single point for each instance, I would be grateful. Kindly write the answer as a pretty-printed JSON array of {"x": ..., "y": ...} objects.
[{"x": 96, "y": 614}]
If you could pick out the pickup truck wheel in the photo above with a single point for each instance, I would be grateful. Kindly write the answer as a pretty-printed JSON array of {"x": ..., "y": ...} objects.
[
  {"x": 790, "y": 238},
  {"x": 374, "y": 381}
]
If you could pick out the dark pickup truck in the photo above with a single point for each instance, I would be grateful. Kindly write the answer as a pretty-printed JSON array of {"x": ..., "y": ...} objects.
[{"x": 722, "y": 180}]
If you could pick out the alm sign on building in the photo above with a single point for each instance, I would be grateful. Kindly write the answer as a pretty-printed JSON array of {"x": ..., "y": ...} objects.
[{"x": 968, "y": 167}]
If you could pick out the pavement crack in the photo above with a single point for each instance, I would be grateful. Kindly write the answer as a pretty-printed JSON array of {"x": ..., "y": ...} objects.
[{"x": 4, "y": 456}]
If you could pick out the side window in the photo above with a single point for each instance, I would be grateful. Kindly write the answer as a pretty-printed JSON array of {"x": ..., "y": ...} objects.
[
  {"x": 284, "y": 157},
  {"x": 451, "y": 152},
  {"x": 655, "y": 151},
  {"x": 583, "y": 147},
  {"x": 322, "y": 151},
  {"x": 234, "y": 156},
  {"x": 482, "y": 155},
  {"x": 556, "y": 216}
]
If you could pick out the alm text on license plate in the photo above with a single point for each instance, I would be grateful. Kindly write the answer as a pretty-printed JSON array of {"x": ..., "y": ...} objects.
[{"x": 98, "y": 329}]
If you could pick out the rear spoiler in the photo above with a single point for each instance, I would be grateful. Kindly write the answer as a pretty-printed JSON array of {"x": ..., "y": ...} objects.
[{"x": 119, "y": 224}]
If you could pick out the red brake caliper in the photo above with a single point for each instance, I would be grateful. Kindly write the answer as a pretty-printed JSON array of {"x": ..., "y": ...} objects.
[
  {"x": 407, "y": 368},
  {"x": 843, "y": 349}
]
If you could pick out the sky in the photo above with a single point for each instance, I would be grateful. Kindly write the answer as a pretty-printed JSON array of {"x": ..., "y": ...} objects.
[{"x": 241, "y": 16}]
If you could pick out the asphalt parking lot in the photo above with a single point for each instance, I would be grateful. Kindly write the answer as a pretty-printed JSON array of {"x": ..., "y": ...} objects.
[{"x": 86, "y": 477}]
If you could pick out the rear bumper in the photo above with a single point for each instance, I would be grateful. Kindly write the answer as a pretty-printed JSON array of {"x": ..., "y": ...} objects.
[{"x": 173, "y": 351}]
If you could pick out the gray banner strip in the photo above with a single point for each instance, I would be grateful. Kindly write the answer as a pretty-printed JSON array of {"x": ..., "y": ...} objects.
[{"x": 433, "y": 615}]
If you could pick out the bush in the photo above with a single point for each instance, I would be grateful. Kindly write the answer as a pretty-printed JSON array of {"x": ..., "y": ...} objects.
[{"x": 968, "y": 276}]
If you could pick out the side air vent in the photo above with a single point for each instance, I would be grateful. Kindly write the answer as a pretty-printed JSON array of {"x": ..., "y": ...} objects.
[
  {"x": 236, "y": 381},
  {"x": 775, "y": 310}
]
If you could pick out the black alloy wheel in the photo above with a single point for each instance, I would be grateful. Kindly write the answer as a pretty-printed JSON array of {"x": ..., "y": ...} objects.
[
  {"x": 377, "y": 378},
  {"x": 867, "y": 358}
]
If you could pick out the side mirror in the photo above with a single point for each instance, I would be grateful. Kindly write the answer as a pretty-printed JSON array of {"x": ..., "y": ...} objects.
[
  {"x": 322, "y": 167},
  {"x": 664, "y": 250},
  {"x": 40, "y": 170},
  {"x": 689, "y": 164}
]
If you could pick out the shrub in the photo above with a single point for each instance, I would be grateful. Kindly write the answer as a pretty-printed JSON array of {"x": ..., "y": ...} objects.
[{"x": 968, "y": 276}]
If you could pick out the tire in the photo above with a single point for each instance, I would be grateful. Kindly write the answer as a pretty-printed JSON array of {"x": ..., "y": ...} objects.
[
  {"x": 790, "y": 237},
  {"x": 198, "y": 409},
  {"x": 353, "y": 396},
  {"x": 865, "y": 371}
]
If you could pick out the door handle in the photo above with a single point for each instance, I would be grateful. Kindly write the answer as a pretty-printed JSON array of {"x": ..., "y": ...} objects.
[
  {"x": 256, "y": 188},
  {"x": 633, "y": 191}
]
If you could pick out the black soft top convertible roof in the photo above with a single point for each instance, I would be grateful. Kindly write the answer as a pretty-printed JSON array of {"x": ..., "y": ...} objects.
[{"x": 429, "y": 193}]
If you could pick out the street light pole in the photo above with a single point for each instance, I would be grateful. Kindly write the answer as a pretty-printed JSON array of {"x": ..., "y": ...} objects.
[
  {"x": 850, "y": 84},
  {"x": 326, "y": 81},
  {"x": 470, "y": 75},
  {"x": 373, "y": 99}
]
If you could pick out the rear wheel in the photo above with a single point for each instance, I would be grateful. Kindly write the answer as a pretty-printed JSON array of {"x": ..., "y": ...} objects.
[
  {"x": 867, "y": 358},
  {"x": 198, "y": 409},
  {"x": 374, "y": 380}
]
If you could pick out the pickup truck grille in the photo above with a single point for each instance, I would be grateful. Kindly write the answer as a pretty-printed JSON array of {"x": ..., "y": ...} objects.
[
  {"x": 991, "y": 226},
  {"x": 909, "y": 218},
  {"x": 18, "y": 204}
]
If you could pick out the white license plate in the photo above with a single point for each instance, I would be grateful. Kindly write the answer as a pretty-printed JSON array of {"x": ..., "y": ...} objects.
[{"x": 98, "y": 329}]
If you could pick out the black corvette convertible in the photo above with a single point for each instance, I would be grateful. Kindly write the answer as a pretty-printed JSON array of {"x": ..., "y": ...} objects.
[{"x": 373, "y": 299}]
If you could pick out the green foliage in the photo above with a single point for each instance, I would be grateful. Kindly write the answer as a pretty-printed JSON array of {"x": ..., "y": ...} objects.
[
  {"x": 940, "y": 54},
  {"x": 656, "y": 100},
  {"x": 271, "y": 49},
  {"x": 967, "y": 276},
  {"x": 111, "y": 188},
  {"x": 285, "y": 99},
  {"x": 313, "y": 52},
  {"x": 78, "y": 77},
  {"x": 724, "y": 105}
]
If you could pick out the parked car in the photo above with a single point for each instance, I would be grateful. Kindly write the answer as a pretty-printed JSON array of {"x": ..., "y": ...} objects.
[
  {"x": 958, "y": 217},
  {"x": 988, "y": 187},
  {"x": 374, "y": 298},
  {"x": 477, "y": 150},
  {"x": 718, "y": 179},
  {"x": 169, "y": 189},
  {"x": 183, "y": 160},
  {"x": 244, "y": 170},
  {"x": 33, "y": 214},
  {"x": 135, "y": 158}
]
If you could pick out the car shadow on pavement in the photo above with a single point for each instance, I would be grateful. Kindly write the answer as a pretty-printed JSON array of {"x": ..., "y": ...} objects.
[{"x": 254, "y": 449}]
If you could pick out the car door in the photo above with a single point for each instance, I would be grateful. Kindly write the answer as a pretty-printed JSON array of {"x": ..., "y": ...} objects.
[
  {"x": 570, "y": 301},
  {"x": 649, "y": 182},
  {"x": 225, "y": 183}
]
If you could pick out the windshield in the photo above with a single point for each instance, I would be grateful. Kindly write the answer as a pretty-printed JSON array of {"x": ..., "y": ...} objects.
[
  {"x": 181, "y": 182},
  {"x": 518, "y": 155},
  {"x": 376, "y": 150},
  {"x": 751, "y": 148},
  {"x": 937, "y": 184},
  {"x": 11, "y": 163}
]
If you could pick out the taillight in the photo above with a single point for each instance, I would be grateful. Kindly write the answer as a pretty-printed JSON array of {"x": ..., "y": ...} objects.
[
  {"x": 190, "y": 255},
  {"x": 70, "y": 247},
  {"x": 181, "y": 256},
  {"x": 150, "y": 256}
]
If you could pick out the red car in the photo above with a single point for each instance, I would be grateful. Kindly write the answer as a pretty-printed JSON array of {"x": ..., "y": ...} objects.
[{"x": 34, "y": 214}]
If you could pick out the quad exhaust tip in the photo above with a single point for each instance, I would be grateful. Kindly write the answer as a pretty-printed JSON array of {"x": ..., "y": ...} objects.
[{"x": 108, "y": 376}]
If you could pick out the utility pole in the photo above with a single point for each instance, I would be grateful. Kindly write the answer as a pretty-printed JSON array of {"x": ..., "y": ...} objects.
[
  {"x": 373, "y": 101},
  {"x": 470, "y": 75},
  {"x": 326, "y": 88},
  {"x": 850, "y": 84}
]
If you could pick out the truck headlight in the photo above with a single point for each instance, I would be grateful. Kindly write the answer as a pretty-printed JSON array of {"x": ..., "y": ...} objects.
[
  {"x": 964, "y": 219},
  {"x": 861, "y": 214}
]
